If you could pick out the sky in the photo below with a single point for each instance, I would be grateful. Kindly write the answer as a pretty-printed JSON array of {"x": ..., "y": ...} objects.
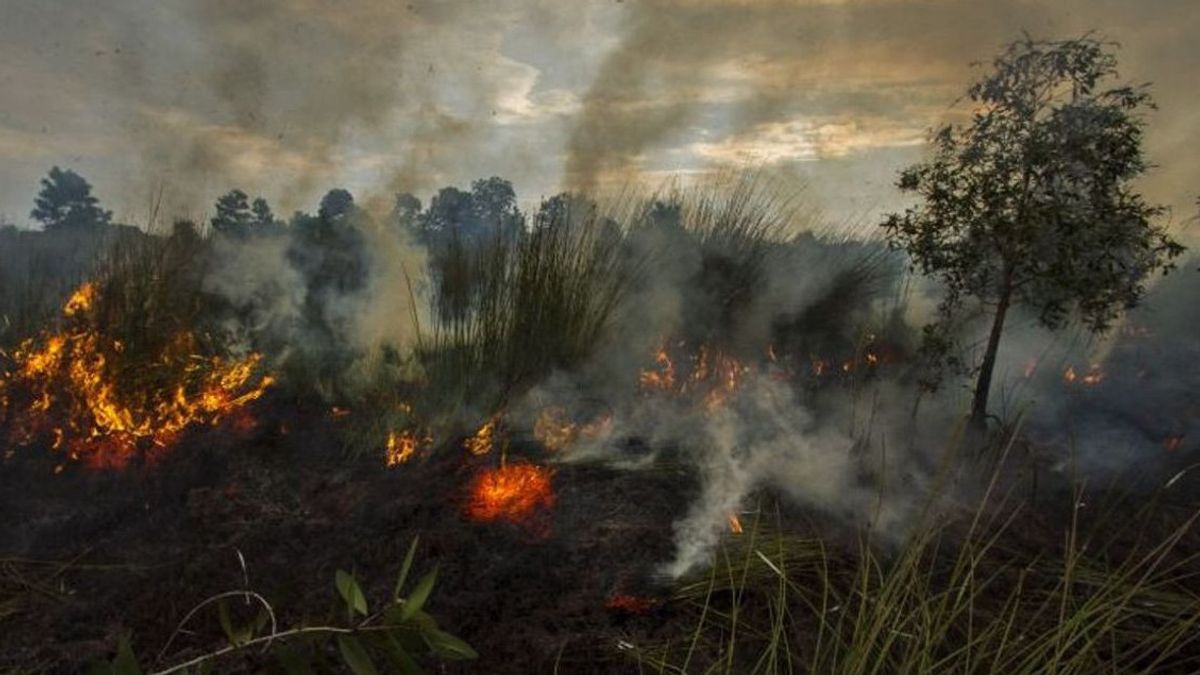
[{"x": 173, "y": 102}]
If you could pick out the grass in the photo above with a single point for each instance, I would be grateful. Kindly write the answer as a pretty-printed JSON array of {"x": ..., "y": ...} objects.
[{"x": 1108, "y": 597}]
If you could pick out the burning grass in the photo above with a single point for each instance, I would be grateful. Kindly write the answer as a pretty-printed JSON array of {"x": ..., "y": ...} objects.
[
  {"x": 68, "y": 389},
  {"x": 510, "y": 493}
]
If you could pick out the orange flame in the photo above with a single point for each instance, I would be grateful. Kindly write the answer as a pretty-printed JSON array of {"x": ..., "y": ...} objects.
[
  {"x": 554, "y": 429},
  {"x": 510, "y": 493},
  {"x": 400, "y": 447},
  {"x": 1091, "y": 378},
  {"x": 73, "y": 397},
  {"x": 484, "y": 439},
  {"x": 735, "y": 523},
  {"x": 663, "y": 377}
]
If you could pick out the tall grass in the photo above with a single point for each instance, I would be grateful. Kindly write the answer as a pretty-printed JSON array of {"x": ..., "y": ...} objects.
[{"x": 979, "y": 598}]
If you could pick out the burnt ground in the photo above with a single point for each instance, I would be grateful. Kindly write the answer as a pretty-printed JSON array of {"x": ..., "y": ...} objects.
[
  {"x": 86, "y": 556},
  {"x": 133, "y": 551}
]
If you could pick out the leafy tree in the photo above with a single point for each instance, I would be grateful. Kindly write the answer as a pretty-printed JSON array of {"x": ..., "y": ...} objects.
[
  {"x": 337, "y": 202},
  {"x": 407, "y": 211},
  {"x": 1032, "y": 202},
  {"x": 450, "y": 210},
  {"x": 66, "y": 203},
  {"x": 264, "y": 218},
  {"x": 233, "y": 217},
  {"x": 495, "y": 208}
]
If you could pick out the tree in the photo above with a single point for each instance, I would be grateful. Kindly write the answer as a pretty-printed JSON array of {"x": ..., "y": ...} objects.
[
  {"x": 406, "y": 211},
  {"x": 233, "y": 217},
  {"x": 1031, "y": 203},
  {"x": 337, "y": 202},
  {"x": 495, "y": 207},
  {"x": 264, "y": 218},
  {"x": 66, "y": 203}
]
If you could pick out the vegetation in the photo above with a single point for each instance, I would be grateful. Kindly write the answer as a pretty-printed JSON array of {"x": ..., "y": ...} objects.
[
  {"x": 397, "y": 634},
  {"x": 1033, "y": 203},
  {"x": 1030, "y": 204}
]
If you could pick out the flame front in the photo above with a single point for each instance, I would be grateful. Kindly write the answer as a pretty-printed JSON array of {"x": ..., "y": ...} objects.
[
  {"x": 73, "y": 400},
  {"x": 510, "y": 493}
]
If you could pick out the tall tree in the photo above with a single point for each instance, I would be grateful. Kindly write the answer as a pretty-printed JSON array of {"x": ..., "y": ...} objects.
[
  {"x": 66, "y": 203},
  {"x": 263, "y": 218},
  {"x": 495, "y": 207},
  {"x": 233, "y": 217},
  {"x": 1032, "y": 202}
]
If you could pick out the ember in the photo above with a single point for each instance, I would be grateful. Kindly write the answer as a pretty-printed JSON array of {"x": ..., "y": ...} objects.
[
  {"x": 631, "y": 604},
  {"x": 510, "y": 493}
]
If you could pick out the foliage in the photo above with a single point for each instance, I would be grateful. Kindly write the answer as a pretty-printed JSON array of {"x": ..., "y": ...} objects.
[
  {"x": 400, "y": 633},
  {"x": 945, "y": 601},
  {"x": 66, "y": 202},
  {"x": 1033, "y": 202}
]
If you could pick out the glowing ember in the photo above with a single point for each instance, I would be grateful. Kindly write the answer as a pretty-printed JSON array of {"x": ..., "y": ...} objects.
[
  {"x": 631, "y": 604},
  {"x": 1030, "y": 368},
  {"x": 1173, "y": 442},
  {"x": 510, "y": 493},
  {"x": 1091, "y": 378},
  {"x": 74, "y": 404},
  {"x": 483, "y": 440},
  {"x": 400, "y": 447},
  {"x": 735, "y": 523}
]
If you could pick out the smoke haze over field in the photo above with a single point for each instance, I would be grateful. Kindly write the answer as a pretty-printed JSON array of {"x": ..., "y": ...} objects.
[{"x": 290, "y": 97}]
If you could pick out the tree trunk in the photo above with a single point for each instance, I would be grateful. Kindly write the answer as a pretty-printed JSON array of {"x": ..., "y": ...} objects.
[{"x": 984, "y": 384}]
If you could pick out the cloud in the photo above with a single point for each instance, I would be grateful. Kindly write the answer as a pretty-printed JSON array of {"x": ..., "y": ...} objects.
[{"x": 808, "y": 140}]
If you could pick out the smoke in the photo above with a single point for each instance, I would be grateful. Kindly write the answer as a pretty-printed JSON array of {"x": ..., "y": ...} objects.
[{"x": 335, "y": 301}]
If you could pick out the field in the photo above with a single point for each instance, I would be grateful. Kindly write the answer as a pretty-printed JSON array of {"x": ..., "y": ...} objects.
[{"x": 682, "y": 432}]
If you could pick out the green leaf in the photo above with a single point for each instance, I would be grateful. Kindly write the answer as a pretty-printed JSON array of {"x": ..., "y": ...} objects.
[
  {"x": 448, "y": 646},
  {"x": 348, "y": 588},
  {"x": 398, "y": 655},
  {"x": 293, "y": 663},
  {"x": 419, "y": 595},
  {"x": 355, "y": 655},
  {"x": 125, "y": 663},
  {"x": 408, "y": 561}
]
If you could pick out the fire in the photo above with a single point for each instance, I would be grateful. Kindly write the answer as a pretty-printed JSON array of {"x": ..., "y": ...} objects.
[
  {"x": 1091, "y": 378},
  {"x": 511, "y": 493},
  {"x": 631, "y": 604},
  {"x": 712, "y": 377},
  {"x": 661, "y": 379},
  {"x": 400, "y": 447},
  {"x": 735, "y": 524},
  {"x": 555, "y": 430},
  {"x": 484, "y": 439},
  {"x": 74, "y": 401}
]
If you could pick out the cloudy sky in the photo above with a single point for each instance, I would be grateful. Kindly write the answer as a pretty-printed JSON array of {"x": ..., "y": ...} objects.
[{"x": 287, "y": 98}]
